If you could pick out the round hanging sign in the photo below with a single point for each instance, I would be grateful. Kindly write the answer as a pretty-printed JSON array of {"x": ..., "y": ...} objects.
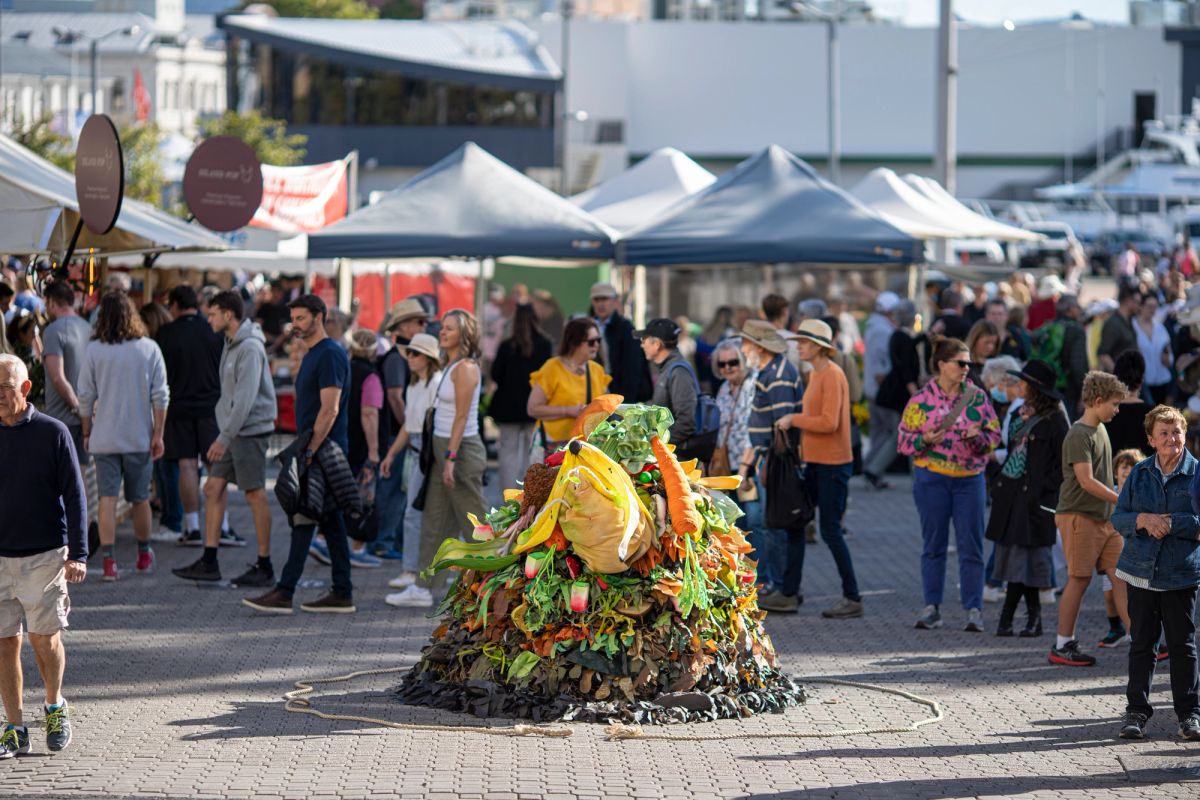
[
  {"x": 99, "y": 174},
  {"x": 223, "y": 183}
]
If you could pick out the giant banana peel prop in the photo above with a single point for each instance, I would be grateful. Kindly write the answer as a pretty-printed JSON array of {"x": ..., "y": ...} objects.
[{"x": 594, "y": 501}]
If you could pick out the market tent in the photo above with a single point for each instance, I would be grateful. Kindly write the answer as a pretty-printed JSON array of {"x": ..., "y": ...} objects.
[
  {"x": 886, "y": 193},
  {"x": 38, "y": 213},
  {"x": 291, "y": 258},
  {"x": 771, "y": 207},
  {"x": 958, "y": 215},
  {"x": 645, "y": 190},
  {"x": 469, "y": 204}
]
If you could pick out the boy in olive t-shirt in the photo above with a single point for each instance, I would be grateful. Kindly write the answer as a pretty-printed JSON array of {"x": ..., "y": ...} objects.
[{"x": 1085, "y": 505}]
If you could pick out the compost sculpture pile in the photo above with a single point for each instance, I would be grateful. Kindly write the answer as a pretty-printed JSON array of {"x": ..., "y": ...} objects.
[{"x": 615, "y": 587}]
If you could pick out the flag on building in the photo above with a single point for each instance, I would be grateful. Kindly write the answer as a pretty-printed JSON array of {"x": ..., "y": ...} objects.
[{"x": 141, "y": 97}]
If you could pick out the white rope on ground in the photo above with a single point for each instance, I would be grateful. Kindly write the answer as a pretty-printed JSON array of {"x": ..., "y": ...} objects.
[{"x": 295, "y": 702}]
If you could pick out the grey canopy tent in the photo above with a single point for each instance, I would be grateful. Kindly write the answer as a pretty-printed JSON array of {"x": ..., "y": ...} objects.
[
  {"x": 472, "y": 205},
  {"x": 772, "y": 207}
]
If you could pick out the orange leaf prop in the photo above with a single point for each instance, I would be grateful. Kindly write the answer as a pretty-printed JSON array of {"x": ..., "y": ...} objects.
[
  {"x": 681, "y": 504},
  {"x": 596, "y": 412}
]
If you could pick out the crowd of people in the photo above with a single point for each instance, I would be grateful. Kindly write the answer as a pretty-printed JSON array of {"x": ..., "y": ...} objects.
[{"x": 1006, "y": 401}]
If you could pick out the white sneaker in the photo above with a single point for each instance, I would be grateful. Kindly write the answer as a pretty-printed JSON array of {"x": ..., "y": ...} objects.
[
  {"x": 1047, "y": 597},
  {"x": 412, "y": 597},
  {"x": 993, "y": 594},
  {"x": 403, "y": 580},
  {"x": 165, "y": 534}
]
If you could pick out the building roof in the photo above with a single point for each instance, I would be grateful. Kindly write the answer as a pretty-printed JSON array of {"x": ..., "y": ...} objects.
[
  {"x": 18, "y": 58},
  {"x": 37, "y": 30},
  {"x": 504, "y": 54}
]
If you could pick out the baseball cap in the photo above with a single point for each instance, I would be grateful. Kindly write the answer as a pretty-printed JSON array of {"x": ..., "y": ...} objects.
[
  {"x": 886, "y": 302},
  {"x": 664, "y": 329},
  {"x": 602, "y": 290}
]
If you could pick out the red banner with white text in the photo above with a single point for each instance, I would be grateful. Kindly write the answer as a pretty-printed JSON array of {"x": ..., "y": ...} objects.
[{"x": 302, "y": 199}]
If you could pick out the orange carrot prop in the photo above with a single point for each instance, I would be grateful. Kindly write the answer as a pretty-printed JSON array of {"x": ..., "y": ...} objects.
[{"x": 681, "y": 503}]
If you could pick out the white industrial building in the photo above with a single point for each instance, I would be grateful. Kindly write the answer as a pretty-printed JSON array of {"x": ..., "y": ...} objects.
[{"x": 1036, "y": 105}]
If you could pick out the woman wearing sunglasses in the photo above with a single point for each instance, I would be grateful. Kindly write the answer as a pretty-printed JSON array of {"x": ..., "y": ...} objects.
[
  {"x": 567, "y": 383},
  {"x": 949, "y": 428}
]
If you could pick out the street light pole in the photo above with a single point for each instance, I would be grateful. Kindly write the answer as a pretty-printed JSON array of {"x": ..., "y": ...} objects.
[
  {"x": 93, "y": 47},
  {"x": 564, "y": 185},
  {"x": 834, "y": 99},
  {"x": 946, "y": 155}
]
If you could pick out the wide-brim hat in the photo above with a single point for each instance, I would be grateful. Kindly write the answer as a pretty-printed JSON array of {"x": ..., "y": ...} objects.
[
  {"x": 1189, "y": 315},
  {"x": 765, "y": 335},
  {"x": 816, "y": 331},
  {"x": 1040, "y": 376},
  {"x": 424, "y": 344},
  {"x": 1050, "y": 286},
  {"x": 406, "y": 310}
]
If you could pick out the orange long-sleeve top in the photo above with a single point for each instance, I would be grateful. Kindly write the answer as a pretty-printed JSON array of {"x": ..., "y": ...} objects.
[{"x": 824, "y": 421}]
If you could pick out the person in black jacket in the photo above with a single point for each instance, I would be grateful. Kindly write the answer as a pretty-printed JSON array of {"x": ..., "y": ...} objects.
[
  {"x": 517, "y": 357},
  {"x": 1025, "y": 495},
  {"x": 192, "y": 353},
  {"x": 898, "y": 385},
  {"x": 621, "y": 354}
]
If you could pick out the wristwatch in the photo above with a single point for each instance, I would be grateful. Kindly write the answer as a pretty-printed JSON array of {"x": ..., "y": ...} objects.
[
  {"x": 308, "y": 454},
  {"x": 451, "y": 455}
]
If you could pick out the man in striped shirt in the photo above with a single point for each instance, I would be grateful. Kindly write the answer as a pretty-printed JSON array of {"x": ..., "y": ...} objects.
[{"x": 777, "y": 393}]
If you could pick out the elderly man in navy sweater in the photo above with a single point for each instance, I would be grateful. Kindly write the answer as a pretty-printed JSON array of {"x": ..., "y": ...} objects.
[{"x": 42, "y": 548}]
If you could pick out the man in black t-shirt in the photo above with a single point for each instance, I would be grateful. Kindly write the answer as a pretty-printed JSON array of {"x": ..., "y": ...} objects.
[
  {"x": 405, "y": 320},
  {"x": 192, "y": 354}
]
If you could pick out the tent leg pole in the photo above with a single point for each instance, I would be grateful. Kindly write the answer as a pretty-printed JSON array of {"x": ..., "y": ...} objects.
[
  {"x": 664, "y": 291},
  {"x": 387, "y": 288},
  {"x": 913, "y": 270},
  {"x": 639, "y": 296},
  {"x": 307, "y": 276},
  {"x": 480, "y": 291}
]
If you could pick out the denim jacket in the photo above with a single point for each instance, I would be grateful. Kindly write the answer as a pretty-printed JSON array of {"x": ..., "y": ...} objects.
[{"x": 1172, "y": 562}]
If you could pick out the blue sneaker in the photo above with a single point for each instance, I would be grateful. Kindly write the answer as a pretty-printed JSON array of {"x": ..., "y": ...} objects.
[
  {"x": 14, "y": 741},
  {"x": 320, "y": 551},
  {"x": 58, "y": 727},
  {"x": 365, "y": 560},
  {"x": 388, "y": 554}
]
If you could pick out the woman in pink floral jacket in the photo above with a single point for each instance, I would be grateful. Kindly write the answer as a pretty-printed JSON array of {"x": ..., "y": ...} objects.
[{"x": 949, "y": 428}]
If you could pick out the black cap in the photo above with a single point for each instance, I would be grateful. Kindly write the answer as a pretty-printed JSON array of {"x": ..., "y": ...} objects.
[{"x": 664, "y": 329}]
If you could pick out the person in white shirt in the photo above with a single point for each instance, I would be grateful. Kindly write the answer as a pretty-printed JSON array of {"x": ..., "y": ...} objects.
[{"x": 423, "y": 360}]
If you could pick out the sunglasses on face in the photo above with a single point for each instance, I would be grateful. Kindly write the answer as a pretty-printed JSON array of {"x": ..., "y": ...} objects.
[
  {"x": 964, "y": 363},
  {"x": 592, "y": 342},
  {"x": 728, "y": 364}
]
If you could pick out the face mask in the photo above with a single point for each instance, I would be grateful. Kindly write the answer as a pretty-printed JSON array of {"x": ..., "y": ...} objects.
[{"x": 999, "y": 395}]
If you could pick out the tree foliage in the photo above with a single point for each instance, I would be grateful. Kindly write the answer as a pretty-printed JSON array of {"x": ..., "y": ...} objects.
[
  {"x": 325, "y": 9},
  {"x": 39, "y": 136},
  {"x": 144, "y": 178},
  {"x": 268, "y": 138}
]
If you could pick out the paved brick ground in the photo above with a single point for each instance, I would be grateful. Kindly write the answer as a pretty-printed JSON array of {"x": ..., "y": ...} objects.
[{"x": 176, "y": 691}]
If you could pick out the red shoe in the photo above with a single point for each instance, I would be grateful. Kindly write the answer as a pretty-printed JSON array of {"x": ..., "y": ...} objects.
[
  {"x": 1163, "y": 653},
  {"x": 110, "y": 569},
  {"x": 145, "y": 561}
]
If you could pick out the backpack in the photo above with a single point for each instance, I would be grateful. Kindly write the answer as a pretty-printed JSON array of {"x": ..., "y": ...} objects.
[
  {"x": 703, "y": 441},
  {"x": 1048, "y": 342},
  {"x": 708, "y": 413}
]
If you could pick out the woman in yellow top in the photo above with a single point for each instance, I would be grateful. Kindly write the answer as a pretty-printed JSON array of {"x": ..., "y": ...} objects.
[{"x": 559, "y": 389}]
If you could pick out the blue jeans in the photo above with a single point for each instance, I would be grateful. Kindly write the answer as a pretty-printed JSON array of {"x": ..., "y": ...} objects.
[
  {"x": 333, "y": 527},
  {"x": 941, "y": 499},
  {"x": 166, "y": 481},
  {"x": 389, "y": 499},
  {"x": 770, "y": 546},
  {"x": 829, "y": 485}
]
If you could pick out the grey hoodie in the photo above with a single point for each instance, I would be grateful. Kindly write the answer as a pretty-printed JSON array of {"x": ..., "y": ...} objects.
[{"x": 247, "y": 404}]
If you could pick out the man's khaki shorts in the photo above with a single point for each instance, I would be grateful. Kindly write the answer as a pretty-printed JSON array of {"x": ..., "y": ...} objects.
[
  {"x": 1090, "y": 545},
  {"x": 33, "y": 589}
]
